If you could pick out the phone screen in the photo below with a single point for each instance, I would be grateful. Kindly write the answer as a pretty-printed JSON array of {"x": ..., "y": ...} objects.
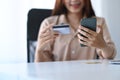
[
  {"x": 63, "y": 29},
  {"x": 89, "y": 23}
]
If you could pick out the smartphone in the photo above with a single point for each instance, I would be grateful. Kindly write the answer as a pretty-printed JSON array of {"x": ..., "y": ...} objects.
[
  {"x": 89, "y": 23},
  {"x": 62, "y": 28}
]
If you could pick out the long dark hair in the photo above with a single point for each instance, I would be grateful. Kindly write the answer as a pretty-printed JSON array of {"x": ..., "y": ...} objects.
[{"x": 60, "y": 8}]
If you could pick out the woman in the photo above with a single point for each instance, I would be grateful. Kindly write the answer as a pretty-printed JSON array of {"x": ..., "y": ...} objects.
[{"x": 53, "y": 46}]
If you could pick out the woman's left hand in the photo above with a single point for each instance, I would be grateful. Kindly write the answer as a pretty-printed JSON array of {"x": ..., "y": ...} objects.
[{"x": 92, "y": 39}]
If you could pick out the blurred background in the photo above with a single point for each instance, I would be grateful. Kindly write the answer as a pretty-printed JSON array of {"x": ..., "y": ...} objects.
[{"x": 13, "y": 25}]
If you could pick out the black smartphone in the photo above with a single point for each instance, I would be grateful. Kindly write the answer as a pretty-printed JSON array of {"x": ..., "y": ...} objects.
[
  {"x": 62, "y": 28},
  {"x": 89, "y": 23}
]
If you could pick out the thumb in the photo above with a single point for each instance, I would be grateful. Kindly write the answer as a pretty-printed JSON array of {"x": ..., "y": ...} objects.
[
  {"x": 51, "y": 26},
  {"x": 100, "y": 29}
]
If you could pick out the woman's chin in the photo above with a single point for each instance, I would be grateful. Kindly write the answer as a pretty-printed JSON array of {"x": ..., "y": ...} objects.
[{"x": 75, "y": 11}]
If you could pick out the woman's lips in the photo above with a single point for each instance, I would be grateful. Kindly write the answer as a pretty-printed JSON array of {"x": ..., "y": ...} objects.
[{"x": 77, "y": 5}]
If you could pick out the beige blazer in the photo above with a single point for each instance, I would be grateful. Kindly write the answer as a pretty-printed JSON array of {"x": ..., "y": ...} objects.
[{"x": 67, "y": 47}]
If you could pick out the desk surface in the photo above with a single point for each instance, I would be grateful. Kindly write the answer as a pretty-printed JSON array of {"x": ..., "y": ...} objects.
[{"x": 68, "y": 70}]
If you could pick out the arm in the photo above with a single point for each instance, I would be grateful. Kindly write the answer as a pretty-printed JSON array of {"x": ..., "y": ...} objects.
[
  {"x": 101, "y": 39},
  {"x": 108, "y": 52},
  {"x": 43, "y": 50}
]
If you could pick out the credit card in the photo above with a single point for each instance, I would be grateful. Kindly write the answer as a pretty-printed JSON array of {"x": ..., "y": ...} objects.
[{"x": 63, "y": 29}]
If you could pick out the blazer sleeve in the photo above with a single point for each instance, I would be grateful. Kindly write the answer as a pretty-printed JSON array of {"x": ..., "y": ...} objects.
[{"x": 110, "y": 49}]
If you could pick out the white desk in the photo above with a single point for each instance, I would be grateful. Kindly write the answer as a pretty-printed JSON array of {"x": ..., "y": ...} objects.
[{"x": 71, "y": 70}]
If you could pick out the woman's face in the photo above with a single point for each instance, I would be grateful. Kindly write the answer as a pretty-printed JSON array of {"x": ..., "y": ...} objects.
[{"x": 74, "y": 6}]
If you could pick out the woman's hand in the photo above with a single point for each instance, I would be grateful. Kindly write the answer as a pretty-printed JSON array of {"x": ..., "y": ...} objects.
[
  {"x": 92, "y": 39},
  {"x": 47, "y": 35}
]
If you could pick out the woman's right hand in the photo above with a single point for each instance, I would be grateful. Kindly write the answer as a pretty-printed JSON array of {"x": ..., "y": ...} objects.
[{"x": 47, "y": 35}]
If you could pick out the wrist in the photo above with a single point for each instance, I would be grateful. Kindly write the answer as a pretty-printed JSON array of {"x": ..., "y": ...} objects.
[{"x": 104, "y": 48}]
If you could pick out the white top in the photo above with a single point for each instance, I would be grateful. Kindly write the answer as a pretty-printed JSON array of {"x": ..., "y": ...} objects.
[{"x": 71, "y": 70}]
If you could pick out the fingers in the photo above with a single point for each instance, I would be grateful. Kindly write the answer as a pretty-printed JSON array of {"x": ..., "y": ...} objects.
[
  {"x": 86, "y": 36},
  {"x": 52, "y": 34},
  {"x": 56, "y": 32},
  {"x": 46, "y": 38},
  {"x": 83, "y": 42},
  {"x": 85, "y": 39},
  {"x": 89, "y": 36},
  {"x": 45, "y": 34},
  {"x": 46, "y": 31},
  {"x": 87, "y": 30},
  {"x": 48, "y": 28}
]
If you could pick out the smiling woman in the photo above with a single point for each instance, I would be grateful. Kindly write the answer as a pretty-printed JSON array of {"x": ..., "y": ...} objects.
[
  {"x": 13, "y": 25},
  {"x": 67, "y": 47}
]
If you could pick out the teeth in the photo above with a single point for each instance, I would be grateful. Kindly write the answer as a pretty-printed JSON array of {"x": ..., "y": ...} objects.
[{"x": 75, "y": 3}]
